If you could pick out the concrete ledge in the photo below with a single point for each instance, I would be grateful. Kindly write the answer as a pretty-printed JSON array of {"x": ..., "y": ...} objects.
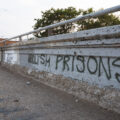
[
  {"x": 108, "y": 98},
  {"x": 108, "y": 32}
]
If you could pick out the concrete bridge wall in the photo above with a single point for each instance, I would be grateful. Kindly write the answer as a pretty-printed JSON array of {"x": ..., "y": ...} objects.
[{"x": 85, "y": 63}]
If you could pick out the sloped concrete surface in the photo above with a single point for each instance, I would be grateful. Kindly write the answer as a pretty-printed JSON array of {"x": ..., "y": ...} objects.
[{"x": 25, "y": 99}]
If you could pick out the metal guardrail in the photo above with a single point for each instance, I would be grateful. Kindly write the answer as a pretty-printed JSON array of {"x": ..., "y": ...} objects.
[{"x": 87, "y": 16}]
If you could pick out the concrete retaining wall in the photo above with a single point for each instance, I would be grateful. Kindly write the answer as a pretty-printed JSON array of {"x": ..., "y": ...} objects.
[{"x": 85, "y": 63}]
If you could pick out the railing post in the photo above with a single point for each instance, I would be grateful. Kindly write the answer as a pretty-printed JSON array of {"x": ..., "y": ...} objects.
[
  {"x": 27, "y": 38},
  {"x": 20, "y": 39},
  {"x": 1, "y": 55},
  {"x": 4, "y": 44},
  {"x": 50, "y": 32}
]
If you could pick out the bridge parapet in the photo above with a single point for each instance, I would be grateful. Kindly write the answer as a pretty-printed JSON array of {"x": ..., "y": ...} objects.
[{"x": 85, "y": 63}]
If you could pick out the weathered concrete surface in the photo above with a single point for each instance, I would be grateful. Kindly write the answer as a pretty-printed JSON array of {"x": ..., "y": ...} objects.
[
  {"x": 19, "y": 101},
  {"x": 107, "y": 98},
  {"x": 85, "y": 63},
  {"x": 92, "y": 56}
]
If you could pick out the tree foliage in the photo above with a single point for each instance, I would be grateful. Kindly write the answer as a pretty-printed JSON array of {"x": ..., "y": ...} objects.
[
  {"x": 101, "y": 21},
  {"x": 53, "y": 16}
]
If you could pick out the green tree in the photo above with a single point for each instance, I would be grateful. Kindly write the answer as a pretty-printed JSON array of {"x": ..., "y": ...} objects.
[
  {"x": 101, "y": 21},
  {"x": 53, "y": 16}
]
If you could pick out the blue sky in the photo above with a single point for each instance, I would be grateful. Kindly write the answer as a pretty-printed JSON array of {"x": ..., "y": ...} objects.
[{"x": 17, "y": 16}]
